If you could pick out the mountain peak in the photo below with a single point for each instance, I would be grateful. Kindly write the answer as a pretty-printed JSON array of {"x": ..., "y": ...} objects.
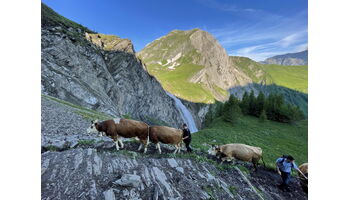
[
  {"x": 200, "y": 57},
  {"x": 188, "y": 32}
]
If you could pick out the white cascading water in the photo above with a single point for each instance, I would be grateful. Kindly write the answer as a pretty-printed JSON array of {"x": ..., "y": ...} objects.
[{"x": 185, "y": 113}]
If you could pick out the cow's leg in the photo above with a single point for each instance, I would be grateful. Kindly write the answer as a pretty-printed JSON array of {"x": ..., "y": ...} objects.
[
  {"x": 145, "y": 144},
  {"x": 158, "y": 147},
  {"x": 116, "y": 140},
  {"x": 140, "y": 147},
  {"x": 176, "y": 149},
  {"x": 255, "y": 165},
  {"x": 233, "y": 160},
  {"x": 179, "y": 148},
  {"x": 116, "y": 145},
  {"x": 226, "y": 158},
  {"x": 121, "y": 143},
  {"x": 223, "y": 159}
]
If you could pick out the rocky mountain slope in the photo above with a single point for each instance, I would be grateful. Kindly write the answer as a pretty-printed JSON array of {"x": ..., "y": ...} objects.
[
  {"x": 193, "y": 59},
  {"x": 100, "y": 72},
  {"x": 195, "y": 67},
  {"x": 75, "y": 165},
  {"x": 299, "y": 58}
]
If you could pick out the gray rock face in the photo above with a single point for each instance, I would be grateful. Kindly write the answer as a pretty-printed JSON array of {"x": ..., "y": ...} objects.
[
  {"x": 218, "y": 69},
  {"x": 198, "y": 111},
  {"x": 129, "y": 180},
  {"x": 112, "y": 81},
  {"x": 299, "y": 58},
  {"x": 90, "y": 174}
]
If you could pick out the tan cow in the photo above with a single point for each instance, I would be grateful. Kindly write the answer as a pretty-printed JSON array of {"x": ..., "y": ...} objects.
[
  {"x": 125, "y": 128},
  {"x": 166, "y": 135},
  {"x": 243, "y": 152},
  {"x": 303, "y": 181}
]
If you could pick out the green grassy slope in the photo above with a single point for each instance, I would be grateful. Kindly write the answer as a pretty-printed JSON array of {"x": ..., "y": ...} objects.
[
  {"x": 292, "y": 77},
  {"x": 177, "y": 81},
  {"x": 274, "y": 138},
  {"x": 74, "y": 31},
  {"x": 87, "y": 113},
  {"x": 50, "y": 18},
  {"x": 252, "y": 69}
]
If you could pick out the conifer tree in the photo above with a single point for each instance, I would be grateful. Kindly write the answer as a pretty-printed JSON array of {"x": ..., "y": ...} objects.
[
  {"x": 244, "y": 104},
  {"x": 231, "y": 111},
  {"x": 219, "y": 106},
  {"x": 260, "y": 104},
  {"x": 252, "y": 103}
]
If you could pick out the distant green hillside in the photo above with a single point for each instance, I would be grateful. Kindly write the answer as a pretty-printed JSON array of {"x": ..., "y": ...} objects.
[
  {"x": 175, "y": 73},
  {"x": 274, "y": 138},
  {"x": 293, "y": 77}
]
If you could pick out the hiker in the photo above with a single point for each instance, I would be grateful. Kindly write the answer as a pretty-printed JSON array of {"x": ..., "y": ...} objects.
[
  {"x": 284, "y": 167},
  {"x": 186, "y": 137}
]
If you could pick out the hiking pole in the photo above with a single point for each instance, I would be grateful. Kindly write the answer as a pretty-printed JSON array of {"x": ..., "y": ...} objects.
[{"x": 303, "y": 174}]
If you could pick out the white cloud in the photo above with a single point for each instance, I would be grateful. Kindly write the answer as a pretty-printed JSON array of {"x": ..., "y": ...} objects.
[
  {"x": 224, "y": 6},
  {"x": 301, "y": 47},
  {"x": 270, "y": 35},
  {"x": 293, "y": 38}
]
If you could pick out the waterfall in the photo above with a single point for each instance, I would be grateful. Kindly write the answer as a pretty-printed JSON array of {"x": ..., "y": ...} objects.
[{"x": 185, "y": 113}]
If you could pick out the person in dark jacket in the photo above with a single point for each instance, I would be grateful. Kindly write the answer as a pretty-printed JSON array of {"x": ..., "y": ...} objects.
[
  {"x": 284, "y": 166},
  {"x": 186, "y": 137}
]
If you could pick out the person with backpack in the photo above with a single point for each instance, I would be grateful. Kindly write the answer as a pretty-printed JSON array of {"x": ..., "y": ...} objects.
[
  {"x": 186, "y": 137},
  {"x": 284, "y": 167}
]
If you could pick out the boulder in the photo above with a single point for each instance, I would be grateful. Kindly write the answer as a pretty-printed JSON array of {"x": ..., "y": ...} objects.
[
  {"x": 129, "y": 180},
  {"x": 109, "y": 194}
]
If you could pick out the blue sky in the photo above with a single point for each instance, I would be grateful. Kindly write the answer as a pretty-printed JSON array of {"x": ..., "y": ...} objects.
[{"x": 254, "y": 28}]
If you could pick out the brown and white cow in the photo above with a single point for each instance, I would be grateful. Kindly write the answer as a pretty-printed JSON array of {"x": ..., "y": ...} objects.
[
  {"x": 243, "y": 152},
  {"x": 166, "y": 135},
  {"x": 303, "y": 181},
  {"x": 125, "y": 128}
]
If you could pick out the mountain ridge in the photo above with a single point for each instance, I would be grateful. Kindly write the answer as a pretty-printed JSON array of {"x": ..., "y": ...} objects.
[
  {"x": 298, "y": 58},
  {"x": 198, "y": 49}
]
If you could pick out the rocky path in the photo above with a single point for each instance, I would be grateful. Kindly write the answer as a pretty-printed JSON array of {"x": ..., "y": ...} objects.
[{"x": 75, "y": 165}]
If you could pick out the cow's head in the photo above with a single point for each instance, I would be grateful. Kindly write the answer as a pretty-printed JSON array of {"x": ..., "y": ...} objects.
[
  {"x": 92, "y": 127},
  {"x": 214, "y": 150}
]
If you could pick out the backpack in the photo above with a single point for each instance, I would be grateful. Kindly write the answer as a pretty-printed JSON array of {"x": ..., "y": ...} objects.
[{"x": 284, "y": 158}]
